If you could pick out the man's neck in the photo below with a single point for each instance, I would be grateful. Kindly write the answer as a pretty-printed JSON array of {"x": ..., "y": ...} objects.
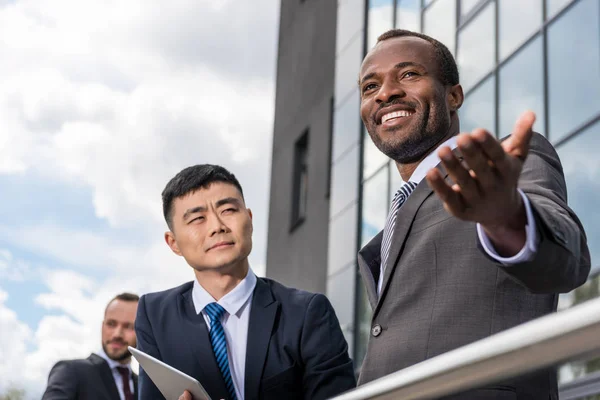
[
  {"x": 218, "y": 282},
  {"x": 407, "y": 170}
]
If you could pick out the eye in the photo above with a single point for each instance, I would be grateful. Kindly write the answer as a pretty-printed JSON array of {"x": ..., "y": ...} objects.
[
  {"x": 229, "y": 210},
  {"x": 410, "y": 74},
  {"x": 197, "y": 219},
  {"x": 368, "y": 86}
]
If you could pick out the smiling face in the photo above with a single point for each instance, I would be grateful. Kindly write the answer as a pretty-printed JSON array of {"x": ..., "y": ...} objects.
[
  {"x": 212, "y": 228},
  {"x": 405, "y": 107}
]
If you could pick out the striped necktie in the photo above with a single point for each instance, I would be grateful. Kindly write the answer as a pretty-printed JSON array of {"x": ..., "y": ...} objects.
[
  {"x": 386, "y": 242},
  {"x": 219, "y": 344}
]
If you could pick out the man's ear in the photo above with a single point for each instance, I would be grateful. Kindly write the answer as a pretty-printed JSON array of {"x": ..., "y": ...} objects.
[
  {"x": 172, "y": 243},
  {"x": 455, "y": 97}
]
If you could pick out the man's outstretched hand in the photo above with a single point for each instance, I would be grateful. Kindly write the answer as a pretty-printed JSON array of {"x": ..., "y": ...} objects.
[{"x": 485, "y": 183}]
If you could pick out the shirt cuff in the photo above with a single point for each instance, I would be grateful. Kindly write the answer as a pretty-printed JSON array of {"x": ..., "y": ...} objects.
[{"x": 531, "y": 240}]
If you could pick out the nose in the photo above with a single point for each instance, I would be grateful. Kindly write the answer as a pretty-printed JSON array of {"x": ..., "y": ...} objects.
[
  {"x": 216, "y": 225},
  {"x": 390, "y": 90}
]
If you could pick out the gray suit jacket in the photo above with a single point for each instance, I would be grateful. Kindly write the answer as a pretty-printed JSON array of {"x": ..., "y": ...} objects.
[
  {"x": 440, "y": 291},
  {"x": 87, "y": 379}
]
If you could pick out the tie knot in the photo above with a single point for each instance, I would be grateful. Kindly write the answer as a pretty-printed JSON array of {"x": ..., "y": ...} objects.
[
  {"x": 214, "y": 311},
  {"x": 405, "y": 190},
  {"x": 124, "y": 371}
]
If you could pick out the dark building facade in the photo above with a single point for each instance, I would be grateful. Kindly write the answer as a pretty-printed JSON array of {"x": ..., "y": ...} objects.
[{"x": 513, "y": 55}]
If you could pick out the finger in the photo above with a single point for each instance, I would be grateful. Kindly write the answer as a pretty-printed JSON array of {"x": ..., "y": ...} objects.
[
  {"x": 517, "y": 145},
  {"x": 452, "y": 199},
  {"x": 478, "y": 160},
  {"x": 467, "y": 185}
]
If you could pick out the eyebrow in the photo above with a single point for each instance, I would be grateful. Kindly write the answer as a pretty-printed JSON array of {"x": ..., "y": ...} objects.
[
  {"x": 219, "y": 203},
  {"x": 400, "y": 65}
]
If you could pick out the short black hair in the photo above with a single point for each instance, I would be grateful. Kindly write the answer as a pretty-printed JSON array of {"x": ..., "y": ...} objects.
[
  {"x": 448, "y": 68},
  {"x": 125, "y": 296},
  {"x": 191, "y": 179}
]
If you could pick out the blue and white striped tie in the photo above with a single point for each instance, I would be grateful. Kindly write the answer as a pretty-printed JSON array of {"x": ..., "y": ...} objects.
[
  {"x": 219, "y": 344},
  {"x": 399, "y": 199}
]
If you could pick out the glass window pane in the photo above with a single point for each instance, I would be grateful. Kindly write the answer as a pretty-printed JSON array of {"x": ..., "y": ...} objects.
[
  {"x": 573, "y": 63},
  {"x": 522, "y": 88},
  {"x": 517, "y": 20},
  {"x": 554, "y": 6},
  {"x": 440, "y": 22},
  {"x": 375, "y": 205},
  {"x": 350, "y": 20},
  {"x": 466, "y": 6},
  {"x": 342, "y": 239},
  {"x": 340, "y": 292},
  {"x": 344, "y": 182},
  {"x": 346, "y": 126},
  {"x": 347, "y": 66},
  {"x": 381, "y": 19},
  {"x": 476, "y": 53},
  {"x": 372, "y": 158},
  {"x": 478, "y": 110},
  {"x": 408, "y": 15}
]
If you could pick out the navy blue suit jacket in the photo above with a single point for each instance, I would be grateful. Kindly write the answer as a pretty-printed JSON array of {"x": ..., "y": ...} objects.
[{"x": 295, "y": 347}]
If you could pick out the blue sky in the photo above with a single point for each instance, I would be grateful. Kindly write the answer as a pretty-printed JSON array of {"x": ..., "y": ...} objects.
[{"x": 100, "y": 104}]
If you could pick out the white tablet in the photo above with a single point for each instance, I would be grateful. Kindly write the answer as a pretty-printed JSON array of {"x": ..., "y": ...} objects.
[{"x": 170, "y": 381}]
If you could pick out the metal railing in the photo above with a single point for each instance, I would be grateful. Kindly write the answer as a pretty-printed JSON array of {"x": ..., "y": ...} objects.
[{"x": 553, "y": 339}]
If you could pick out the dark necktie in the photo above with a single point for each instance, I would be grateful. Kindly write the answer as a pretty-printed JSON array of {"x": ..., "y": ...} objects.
[
  {"x": 219, "y": 345},
  {"x": 124, "y": 371},
  {"x": 386, "y": 242}
]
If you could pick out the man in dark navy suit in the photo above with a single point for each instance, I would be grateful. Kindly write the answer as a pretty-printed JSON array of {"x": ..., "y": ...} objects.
[{"x": 241, "y": 336}]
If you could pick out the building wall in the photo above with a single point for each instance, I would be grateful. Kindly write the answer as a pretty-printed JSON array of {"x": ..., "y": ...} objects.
[{"x": 305, "y": 84}]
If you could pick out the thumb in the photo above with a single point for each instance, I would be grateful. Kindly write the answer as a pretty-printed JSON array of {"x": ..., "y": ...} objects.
[{"x": 517, "y": 144}]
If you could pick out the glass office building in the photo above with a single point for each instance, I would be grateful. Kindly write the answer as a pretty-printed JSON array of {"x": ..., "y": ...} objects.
[{"x": 513, "y": 55}]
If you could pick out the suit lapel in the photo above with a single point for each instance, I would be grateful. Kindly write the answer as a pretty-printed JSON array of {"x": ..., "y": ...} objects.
[
  {"x": 369, "y": 264},
  {"x": 404, "y": 220},
  {"x": 262, "y": 316},
  {"x": 106, "y": 375},
  {"x": 205, "y": 366}
]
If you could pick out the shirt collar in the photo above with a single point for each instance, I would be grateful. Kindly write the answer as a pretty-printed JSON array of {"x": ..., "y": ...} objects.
[
  {"x": 232, "y": 302},
  {"x": 112, "y": 363},
  {"x": 430, "y": 161}
]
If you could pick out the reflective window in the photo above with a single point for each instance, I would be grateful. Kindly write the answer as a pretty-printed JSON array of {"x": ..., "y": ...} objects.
[
  {"x": 408, "y": 15},
  {"x": 350, "y": 20},
  {"x": 427, "y": 2},
  {"x": 381, "y": 19},
  {"x": 476, "y": 52},
  {"x": 347, "y": 67},
  {"x": 522, "y": 88},
  {"x": 581, "y": 166},
  {"x": 346, "y": 126},
  {"x": 372, "y": 157},
  {"x": 342, "y": 239},
  {"x": 573, "y": 62},
  {"x": 375, "y": 205},
  {"x": 478, "y": 110},
  {"x": 554, "y": 6},
  {"x": 440, "y": 22},
  {"x": 344, "y": 182},
  {"x": 517, "y": 21},
  {"x": 466, "y": 6},
  {"x": 340, "y": 292}
]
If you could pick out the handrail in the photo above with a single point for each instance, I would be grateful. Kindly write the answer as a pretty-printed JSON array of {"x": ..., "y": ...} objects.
[{"x": 566, "y": 335}]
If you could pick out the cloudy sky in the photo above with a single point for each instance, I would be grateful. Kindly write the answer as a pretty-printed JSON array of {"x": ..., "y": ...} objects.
[{"x": 101, "y": 102}]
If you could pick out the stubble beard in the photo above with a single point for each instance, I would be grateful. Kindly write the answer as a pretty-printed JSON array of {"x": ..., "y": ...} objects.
[
  {"x": 417, "y": 144},
  {"x": 116, "y": 357}
]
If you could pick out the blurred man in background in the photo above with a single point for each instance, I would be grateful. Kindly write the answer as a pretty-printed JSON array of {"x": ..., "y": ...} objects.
[{"x": 106, "y": 374}]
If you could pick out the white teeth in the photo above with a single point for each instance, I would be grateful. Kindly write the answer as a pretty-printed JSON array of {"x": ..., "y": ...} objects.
[{"x": 395, "y": 114}]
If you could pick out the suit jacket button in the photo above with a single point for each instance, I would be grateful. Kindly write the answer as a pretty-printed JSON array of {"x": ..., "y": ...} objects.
[{"x": 376, "y": 330}]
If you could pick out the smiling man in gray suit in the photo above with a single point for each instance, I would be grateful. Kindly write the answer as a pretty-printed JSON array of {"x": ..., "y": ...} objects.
[{"x": 479, "y": 238}]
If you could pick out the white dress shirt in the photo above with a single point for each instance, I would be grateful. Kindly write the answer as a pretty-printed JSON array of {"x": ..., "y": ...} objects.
[
  {"x": 531, "y": 242},
  {"x": 235, "y": 323},
  {"x": 116, "y": 375}
]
